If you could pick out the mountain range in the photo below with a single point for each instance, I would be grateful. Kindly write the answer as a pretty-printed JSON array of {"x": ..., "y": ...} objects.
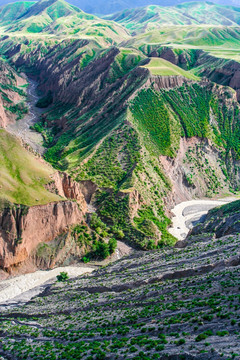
[{"x": 112, "y": 6}]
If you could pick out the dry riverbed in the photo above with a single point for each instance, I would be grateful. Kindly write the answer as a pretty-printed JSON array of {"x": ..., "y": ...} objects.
[
  {"x": 189, "y": 213},
  {"x": 22, "y": 288},
  {"x": 21, "y": 128}
]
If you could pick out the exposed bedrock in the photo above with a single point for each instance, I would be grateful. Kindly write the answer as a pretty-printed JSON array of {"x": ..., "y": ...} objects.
[
  {"x": 166, "y": 82},
  {"x": 81, "y": 191},
  {"x": 23, "y": 228}
]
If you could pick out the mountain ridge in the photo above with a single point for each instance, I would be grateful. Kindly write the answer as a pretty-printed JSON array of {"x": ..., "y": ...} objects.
[
  {"x": 111, "y": 6},
  {"x": 193, "y": 13}
]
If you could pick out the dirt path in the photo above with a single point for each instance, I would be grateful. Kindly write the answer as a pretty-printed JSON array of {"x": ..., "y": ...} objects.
[
  {"x": 21, "y": 128},
  {"x": 188, "y": 213}
]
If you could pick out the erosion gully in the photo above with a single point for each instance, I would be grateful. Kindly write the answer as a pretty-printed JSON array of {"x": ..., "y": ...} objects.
[{"x": 21, "y": 128}]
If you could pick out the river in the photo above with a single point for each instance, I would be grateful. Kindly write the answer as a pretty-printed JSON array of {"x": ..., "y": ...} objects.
[{"x": 21, "y": 128}]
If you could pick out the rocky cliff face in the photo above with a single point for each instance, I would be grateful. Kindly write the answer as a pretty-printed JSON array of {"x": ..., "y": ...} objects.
[
  {"x": 166, "y": 82},
  {"x": 195, "y": 169},
  {"x": 10, "y": 95},
  {"x": 81, "y": 191},
  {"x": 222, "y": 71},
  {"x": 23, "y": 228},
  {"x": 26, "y": 231}
]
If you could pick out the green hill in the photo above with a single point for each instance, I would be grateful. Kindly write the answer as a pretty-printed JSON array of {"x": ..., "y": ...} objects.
[
  {"x": 154, "y": 17},
  {"x": 11, "y": 12},
  {"x": 215, "y": 39},
  {"x": 58, "y": 18}
]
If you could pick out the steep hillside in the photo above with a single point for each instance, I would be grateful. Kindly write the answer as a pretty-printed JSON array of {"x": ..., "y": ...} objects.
[
  {"x": 219, "y": 222},
  {"x": 12, "y": 95},
  {"x": 11, "y": 12},
  {"x": 222, "y": 67},
  {"x": 171, "y": 304}
]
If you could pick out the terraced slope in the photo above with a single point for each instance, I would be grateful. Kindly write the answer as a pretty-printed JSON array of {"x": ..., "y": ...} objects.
[{"x": 176, "y": 303}]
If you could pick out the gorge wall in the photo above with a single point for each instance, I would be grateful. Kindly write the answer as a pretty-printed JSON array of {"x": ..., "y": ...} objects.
[
  {"x": 23, "y": 228},
  {"x": 11, "y": 94}
]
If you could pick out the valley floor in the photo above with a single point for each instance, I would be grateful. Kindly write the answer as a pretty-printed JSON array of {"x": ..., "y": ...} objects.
[
  {"x": 21, "y": 128},
  {"x": 22, "y": 288},
  {"x": 188, "y": 213}
]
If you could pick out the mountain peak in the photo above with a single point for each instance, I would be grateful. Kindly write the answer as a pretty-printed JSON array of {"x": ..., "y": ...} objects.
[{"x": 54, "y": 8}]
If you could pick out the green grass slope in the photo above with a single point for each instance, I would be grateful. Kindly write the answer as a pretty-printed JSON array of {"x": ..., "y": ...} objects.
[
  {"x": 158, "y": 66},
  {"x": 11, "y": 12},
  {"x": 192, "y": 106},
  {"x": 58, "y": 18},
  {"x": 23, "y": 176},
  {"x": 206, "y": 37}
]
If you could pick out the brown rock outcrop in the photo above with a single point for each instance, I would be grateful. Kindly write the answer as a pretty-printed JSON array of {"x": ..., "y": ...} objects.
[
  {"x": 81, "y": 191},
  {"x": 23, "y": 228},
  {"x": 3, "y": 116},
  {"x": 166, "y": 82},
  {"x": 8, "y": 77}
]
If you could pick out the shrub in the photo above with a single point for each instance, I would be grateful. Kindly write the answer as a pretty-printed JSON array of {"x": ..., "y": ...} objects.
[
  {"x": 112, "y": 245},
  {"x": 180, "y": 342},
  {"x": 63, "y": 276}
]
